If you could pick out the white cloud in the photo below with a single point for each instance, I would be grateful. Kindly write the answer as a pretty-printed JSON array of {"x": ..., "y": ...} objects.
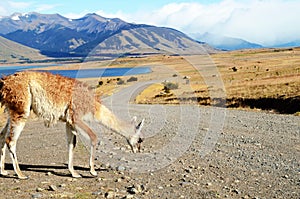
[
  {"x": 8, "y": 7},
  {"x": 3, "y": 8},
  {"x": 262, "y": 21},
  {"x": 45, "y": 7},
  {"x": 19, "y": 5}
]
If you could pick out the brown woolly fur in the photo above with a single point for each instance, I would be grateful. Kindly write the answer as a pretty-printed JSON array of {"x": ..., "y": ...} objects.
[
  {"x": 52, "y": 98},
  {"x": 57, "y": 93}
]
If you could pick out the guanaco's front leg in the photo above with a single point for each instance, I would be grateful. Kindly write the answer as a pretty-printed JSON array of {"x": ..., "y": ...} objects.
[
  {"x": 3, "y": 134},
  {"x": 71, "y": 139},
  {"x": 15, "y": 130}
]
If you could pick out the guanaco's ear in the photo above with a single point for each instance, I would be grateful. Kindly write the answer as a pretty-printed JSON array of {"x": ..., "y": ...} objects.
[{"x": 140, "y": 125}]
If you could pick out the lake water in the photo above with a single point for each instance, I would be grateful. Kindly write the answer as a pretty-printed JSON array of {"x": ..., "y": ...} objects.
[{"x": 82, "y": 73}]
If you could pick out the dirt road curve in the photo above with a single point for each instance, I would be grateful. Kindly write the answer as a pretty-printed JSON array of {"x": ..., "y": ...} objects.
[{"x": 254, "y": 155}]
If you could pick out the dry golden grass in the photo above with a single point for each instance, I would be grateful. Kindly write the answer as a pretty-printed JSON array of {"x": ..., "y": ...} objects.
[
  {"x": 260, "y": 73},
  {"x": 247, "y": 74}
]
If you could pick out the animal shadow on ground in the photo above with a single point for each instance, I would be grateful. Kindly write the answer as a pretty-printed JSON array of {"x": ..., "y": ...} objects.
[{"x": 54, "y": 170}]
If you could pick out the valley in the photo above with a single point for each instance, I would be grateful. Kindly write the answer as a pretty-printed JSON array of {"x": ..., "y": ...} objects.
[{"x": 222, "y": 112}]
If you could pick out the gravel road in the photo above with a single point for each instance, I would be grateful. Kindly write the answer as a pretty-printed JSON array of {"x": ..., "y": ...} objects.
[{"x": 189, "y": 152}]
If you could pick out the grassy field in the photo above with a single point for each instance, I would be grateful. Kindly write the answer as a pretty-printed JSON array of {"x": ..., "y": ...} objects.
[{"x": 260, "y": 79}]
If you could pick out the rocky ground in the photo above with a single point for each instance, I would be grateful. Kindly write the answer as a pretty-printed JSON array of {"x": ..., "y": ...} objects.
[{"x": 185, "y": 155}]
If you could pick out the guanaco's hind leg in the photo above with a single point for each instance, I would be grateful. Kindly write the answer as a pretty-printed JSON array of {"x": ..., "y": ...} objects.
[
  {"x": 71, "y": 139},
  {"x": 3, "y": 134},
  {"x": 93, "y": 140},
  {"x": 15, "y": 129}
]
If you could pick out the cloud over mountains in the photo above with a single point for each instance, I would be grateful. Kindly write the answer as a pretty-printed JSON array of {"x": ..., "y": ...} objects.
[{"x": 266, "y": 22}]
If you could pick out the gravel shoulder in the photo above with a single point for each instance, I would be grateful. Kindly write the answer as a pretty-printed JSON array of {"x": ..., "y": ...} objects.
[{"x": 255, "y": 156}]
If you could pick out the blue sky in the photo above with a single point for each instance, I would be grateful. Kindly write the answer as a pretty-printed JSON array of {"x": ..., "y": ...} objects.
[
  {"x": 78, "y": 6},
  {"x": 261, "y": 21}
]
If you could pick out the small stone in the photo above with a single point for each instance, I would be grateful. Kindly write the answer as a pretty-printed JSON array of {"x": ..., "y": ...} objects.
[
  {"x": 49, "y": 173},
  {"x": 133, "y": 190},
  {"x": 62, "y": 185},
  {"x": 128, "y": 197},
  {"x": 52, "y": 188},
  {"x": 186, "y": 176},
  {"x": 188, "y": 170},
  {"x": 160, "y": 187},
  {"x": 236, "y": 191},
  {"x": 109, "y": 194},
  {"x": 36, "y": 195},
  {"x": 209, "y": 184},
  {"x": 97, "y": 193},
  {"x": 120, "y": 168},
  {"x": 192, "y": 167},
  {"x": 39, "y": 189},
  {"x": 185, "y": 183},
  {"x": 123, "y": 149},
  {"x": 140, "y": 188},
  {"x": 101, "y": 179},
  {"x": 118, "y": 180}
]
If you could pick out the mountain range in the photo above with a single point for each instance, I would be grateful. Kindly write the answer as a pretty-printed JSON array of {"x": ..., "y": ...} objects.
[
  {"x": 54, "y": 35},
  {"x": 58, "y": 36}
]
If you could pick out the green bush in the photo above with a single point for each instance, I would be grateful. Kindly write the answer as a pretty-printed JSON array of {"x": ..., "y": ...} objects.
[{"x": 169, "y": 86}]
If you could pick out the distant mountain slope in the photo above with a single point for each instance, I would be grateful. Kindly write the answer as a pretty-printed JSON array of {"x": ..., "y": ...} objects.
[
  {"x": 295, "y": 43},
  {"x": 225, "y": 43},
  {"x": 55, "y": 35},
  {"x": 13, "y": 52},
  {"x": 152, "y": 40}
]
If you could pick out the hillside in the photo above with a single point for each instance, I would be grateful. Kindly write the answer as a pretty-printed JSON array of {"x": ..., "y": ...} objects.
[
  {"x": 13, "y": 52},
  {"x": 151, "y": 40}
]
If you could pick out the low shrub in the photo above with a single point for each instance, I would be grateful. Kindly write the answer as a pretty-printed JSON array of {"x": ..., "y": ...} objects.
[
  {"x": 169, "y": 86},
  {"x": 132, "y": 79},
  {"x": 120, "y": 82}
]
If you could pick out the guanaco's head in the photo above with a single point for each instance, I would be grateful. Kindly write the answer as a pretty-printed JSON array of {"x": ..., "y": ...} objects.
[{"x": 136, "y": 140}]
